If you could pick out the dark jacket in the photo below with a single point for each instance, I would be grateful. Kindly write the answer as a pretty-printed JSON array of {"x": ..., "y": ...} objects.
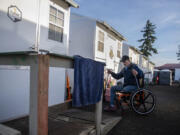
[{"x": 129, "y": 78}]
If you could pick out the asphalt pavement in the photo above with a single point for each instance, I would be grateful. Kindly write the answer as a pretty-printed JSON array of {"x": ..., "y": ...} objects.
[{"x": 165, "y": 120}]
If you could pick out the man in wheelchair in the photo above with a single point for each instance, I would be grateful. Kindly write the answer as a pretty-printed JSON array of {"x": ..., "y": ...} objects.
[{"x": 130, "y": 72}]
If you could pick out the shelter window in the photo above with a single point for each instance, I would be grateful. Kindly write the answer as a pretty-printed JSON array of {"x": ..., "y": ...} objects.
[{"x": 56, "y": 24}]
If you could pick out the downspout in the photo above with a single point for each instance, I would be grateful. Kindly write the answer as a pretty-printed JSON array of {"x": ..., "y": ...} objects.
[
  {"x": 114, "y": 63},
  {"x": 37, "y": 40},
  {"x": 67, "y": 53},
  {"x": 94, "y": 42},
  {"x": 68, "y": 35},
  {"x": 148, "y": 71}
]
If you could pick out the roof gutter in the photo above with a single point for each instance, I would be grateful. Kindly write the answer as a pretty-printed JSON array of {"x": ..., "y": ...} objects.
[
  {"x": 112, "y": 29},
  {"x": 135, "y": 49},
  {"x": 152, "y": 63},
  {"x": 72, "y": 3}
]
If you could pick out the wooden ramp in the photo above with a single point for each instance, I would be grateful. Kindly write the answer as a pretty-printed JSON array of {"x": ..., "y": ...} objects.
[
  {"x": 70, "y": 122},
  {"x": 87, "y": 117},
  {"x": 4, "y": 130}
]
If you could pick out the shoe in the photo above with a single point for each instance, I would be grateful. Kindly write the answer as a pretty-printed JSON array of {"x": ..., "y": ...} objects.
[{"x": 110, "y": 108}]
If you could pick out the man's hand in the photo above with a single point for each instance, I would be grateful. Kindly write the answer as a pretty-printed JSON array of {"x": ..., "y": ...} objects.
[
  {"x": 109, "y": 71},
  {"x": 134, "y": 72}
]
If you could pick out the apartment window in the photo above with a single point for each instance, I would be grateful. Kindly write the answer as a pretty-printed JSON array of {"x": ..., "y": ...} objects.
[
  {"x": 101, "y": 41},
  {"x": 119, "y": 50},
  {"x": 144, "y": 63},
  {"x": 56, "y": 24},
  {"x": 118, "y": 54},
  {"x": 137, "y": 62},
  {"x": 119, "y": 46},
  {"x": 137, "y": 59}
]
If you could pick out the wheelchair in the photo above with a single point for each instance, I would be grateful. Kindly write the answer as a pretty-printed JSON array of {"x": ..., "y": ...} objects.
[{"x": 142, "y": 101}]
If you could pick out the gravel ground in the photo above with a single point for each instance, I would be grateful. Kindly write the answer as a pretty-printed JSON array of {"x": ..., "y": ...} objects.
[{"x": 165, "y": 120}]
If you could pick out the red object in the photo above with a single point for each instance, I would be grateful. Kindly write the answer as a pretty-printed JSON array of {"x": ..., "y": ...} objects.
[
  {"x": 157, "y": 80},
  {"x": 68, "y": 88},
  {"x": 108, "y": 94}
]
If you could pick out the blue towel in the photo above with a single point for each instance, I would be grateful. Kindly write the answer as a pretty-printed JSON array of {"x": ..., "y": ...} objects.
[{"x": 88, "y": 81}]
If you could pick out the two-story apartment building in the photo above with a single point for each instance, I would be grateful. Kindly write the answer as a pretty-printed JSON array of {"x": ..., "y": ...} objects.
[
  {"x": 31, "y": 26},
  {"x": 144, "y": 63},
  {"x": 148, "y": 67},
  {"x": 134, "y": 55},
  {"x": 95, "y": 39}
]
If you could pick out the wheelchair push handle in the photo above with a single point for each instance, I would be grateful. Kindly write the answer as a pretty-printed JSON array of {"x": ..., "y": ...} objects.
[{"x": 137, "y": 82}]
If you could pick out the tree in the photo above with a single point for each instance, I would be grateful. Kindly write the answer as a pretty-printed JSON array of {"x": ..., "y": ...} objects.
[
  {"x": 148, "y": 39},
  {"x": 178, "y": 53}
]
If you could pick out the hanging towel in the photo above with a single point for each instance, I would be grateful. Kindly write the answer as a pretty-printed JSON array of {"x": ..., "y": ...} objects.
[{"x": 88, "y": 81}]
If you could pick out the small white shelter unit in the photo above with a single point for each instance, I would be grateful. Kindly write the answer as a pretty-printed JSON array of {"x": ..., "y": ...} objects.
[
  {"x": 171, "y": 66},
  {"x": 95, "y": 39},
  {"x": 35, "y": 25},
  {"x": 31, "y": 26}
]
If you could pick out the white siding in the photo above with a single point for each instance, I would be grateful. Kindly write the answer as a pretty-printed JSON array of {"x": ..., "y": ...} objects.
[
  {"x": 82, "y": 34},
  {"x": 14, "y": 92},
  {"x": 151, "y": 69},
  {"x": 177, "y": 74},
  {"x": 125, "y": 50},
  {"x": 140, "y": 61},
  {"x": 57, "y": 86},
  {"x": 147, "y": 66},
  {"x": 45, "y": 43},
  {"x": 134, "y": 56},
  {"x": 143, "y": 63},
  {"x": 111, "y": 63},
  {"x": 21, "y": 36}
]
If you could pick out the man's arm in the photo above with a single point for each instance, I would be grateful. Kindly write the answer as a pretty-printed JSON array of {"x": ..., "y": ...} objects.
[{"x": 118, "y": 75}]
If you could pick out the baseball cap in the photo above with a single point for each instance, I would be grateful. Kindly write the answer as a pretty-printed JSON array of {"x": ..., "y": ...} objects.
[{"x": 124, "y": 58}]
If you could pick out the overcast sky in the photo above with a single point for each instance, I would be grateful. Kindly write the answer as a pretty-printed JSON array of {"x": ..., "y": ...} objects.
[{"x": 129, "y": 17}]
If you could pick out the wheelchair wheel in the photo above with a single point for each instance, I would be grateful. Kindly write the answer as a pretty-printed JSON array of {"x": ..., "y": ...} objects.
[{"x": 143, "y": 102}]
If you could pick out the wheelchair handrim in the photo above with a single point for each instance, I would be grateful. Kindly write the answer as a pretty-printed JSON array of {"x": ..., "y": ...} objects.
[{"x": 146, "y": 112}]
